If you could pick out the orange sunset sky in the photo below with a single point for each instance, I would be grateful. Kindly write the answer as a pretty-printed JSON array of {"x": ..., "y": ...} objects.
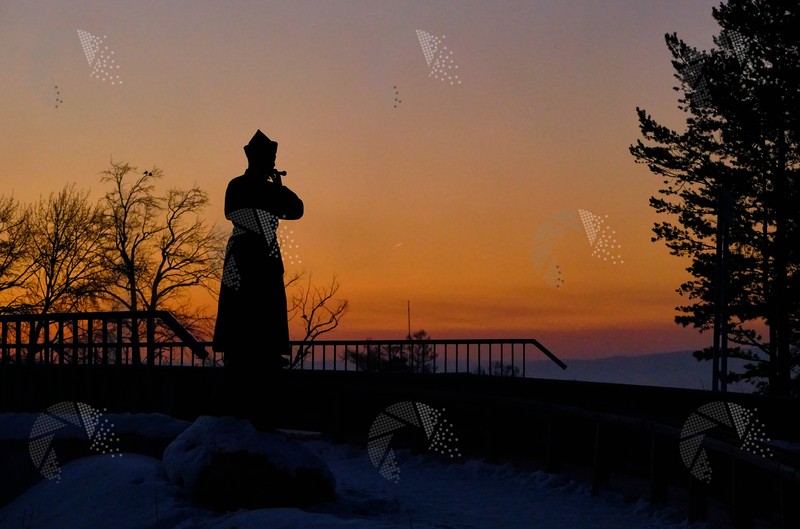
[{"x": 435, "y": 199}]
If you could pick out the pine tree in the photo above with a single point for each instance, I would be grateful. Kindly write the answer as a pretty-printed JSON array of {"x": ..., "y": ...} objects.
[{"x": 737, "y": 160}]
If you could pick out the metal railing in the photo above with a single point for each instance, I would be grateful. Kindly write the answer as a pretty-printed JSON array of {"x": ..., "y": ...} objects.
[
  {"x": 501, "y": 356},
  {"x": 99, "y": 338},
  {"x": 156, "y": 338}
]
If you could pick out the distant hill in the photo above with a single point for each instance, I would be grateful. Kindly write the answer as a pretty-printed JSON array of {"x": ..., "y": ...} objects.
[{"x": 677, "y": 370}]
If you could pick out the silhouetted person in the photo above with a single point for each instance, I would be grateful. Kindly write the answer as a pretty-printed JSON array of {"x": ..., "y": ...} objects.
[{"x": 252, "y": 327}]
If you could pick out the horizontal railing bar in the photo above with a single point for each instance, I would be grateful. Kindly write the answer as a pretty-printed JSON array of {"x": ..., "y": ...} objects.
[
  {"x": 449, "y": 341},
  {"x": 69, "y": 316}
]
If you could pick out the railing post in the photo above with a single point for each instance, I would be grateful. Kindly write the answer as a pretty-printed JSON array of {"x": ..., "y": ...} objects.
[
  {"x": 105, "y": 341},
  {"x": 5, "y": 342},
  {"x": 502, "y": 358},
  {"x": 18, "y": 340},
  {"x": 91, "y": 353},
  {"x": 32, "y": 338},
  {"x": 136, "y": 357},
  {"x": 151, "y": 338},
  {"x": 118, "y": 357},
  {"x": 61, "y": 347},
  {"x": 46, "y": 348},
  {"x": 75, "y": 341}
]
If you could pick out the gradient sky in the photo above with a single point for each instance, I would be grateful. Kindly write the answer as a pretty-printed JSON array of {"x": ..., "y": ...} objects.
[{"x": 435, "y": 201}]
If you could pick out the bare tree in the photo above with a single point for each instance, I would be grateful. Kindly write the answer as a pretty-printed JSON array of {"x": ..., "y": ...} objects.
[
  {"x": 318, "y": 308},
  {"x": 159, "y": 247},
  {"x": 131, "y": 209},
  {"x": 15, "y": 266},
  {"x": 65, "y": 234},
  {"x": 65, "y": 243},
  {"x": 189, "y": 253}
]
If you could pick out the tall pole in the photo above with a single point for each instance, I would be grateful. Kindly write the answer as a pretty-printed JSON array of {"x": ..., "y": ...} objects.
[
  {"x": 720, "y": 355},
  {"x": 409, "y": 319}
]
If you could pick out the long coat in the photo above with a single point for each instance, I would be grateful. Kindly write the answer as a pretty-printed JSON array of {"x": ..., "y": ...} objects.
[{"x": 251, "y": 318}]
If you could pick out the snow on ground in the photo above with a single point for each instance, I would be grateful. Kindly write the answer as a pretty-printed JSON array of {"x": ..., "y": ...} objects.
[{"x": 132, "y": 492}]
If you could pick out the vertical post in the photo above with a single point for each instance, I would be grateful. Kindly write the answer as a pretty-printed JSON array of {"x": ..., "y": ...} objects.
[
  {"x": 105, "y": 341},
  {"x": 90, "y": 349},
  {"x": 32, "y": 338},
  {"x": 524, "y": 358},
  {"x": 46, "y": 348},
  {"x": 720, "y": 358},
  {"x": 150, "y": 324},
  {"x": 75, "y": 338},
  {"x": 409, "y": 318},
  {"x": 136, "y": 358},
  {"x": 61, "y": 343},
  {"x": 118, "y": 358},
  {"x": 5, "y": 342},
  {"x": 18, "y": 341}
]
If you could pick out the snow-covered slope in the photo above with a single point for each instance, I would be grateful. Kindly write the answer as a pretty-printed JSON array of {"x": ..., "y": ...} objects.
[{"x": 132, "y": 492}]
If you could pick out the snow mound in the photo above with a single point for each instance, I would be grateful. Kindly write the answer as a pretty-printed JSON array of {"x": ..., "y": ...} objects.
[{"x": 226, "y": 464}]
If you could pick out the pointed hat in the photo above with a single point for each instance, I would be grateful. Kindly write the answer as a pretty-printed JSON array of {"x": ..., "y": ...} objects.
[{"x": 260, "y": 144}]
